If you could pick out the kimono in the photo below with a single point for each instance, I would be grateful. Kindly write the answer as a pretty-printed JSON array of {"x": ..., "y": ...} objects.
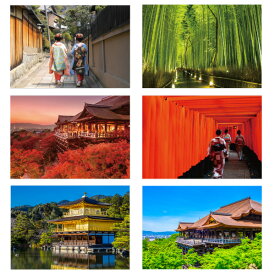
[
  {"x": 239, "y": 142},
  {"x": 227, "y": 139},
  {"x": 217, "y": 153},
  {"x": 86, "y": 66},
  {"x": 58, "y": 60}
]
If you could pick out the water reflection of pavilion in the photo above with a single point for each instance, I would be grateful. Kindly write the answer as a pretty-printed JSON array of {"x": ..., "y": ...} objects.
[{"x": 70, "y": 260}]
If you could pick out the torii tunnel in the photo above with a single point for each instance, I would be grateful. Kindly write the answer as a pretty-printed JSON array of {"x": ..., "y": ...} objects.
[{"x": 177, "y": 129}]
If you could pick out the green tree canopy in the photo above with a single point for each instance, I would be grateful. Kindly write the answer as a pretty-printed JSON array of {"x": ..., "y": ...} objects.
[{"x": 122, "y": 239}]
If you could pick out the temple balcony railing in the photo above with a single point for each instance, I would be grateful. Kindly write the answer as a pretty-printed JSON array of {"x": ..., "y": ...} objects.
[
  {"x": 90, "y": 135},
  {"x": 222, "y": 241},
  {"x": 61, "y": 135},
  {"x": 75, "y": 243},
  {"x": 198, "y": 241}
]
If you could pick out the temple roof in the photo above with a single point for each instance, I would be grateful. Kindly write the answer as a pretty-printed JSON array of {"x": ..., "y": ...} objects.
[
  {"x": 115, "y": 102},
  {"x": 84, "y": 217},
  {"x": 104, "y": 109},
  {"x": 230, "y": 215},
  {"x": 86, "y": 200},
  {"x": 184, "y": 226},
  {"x": 62, "y": 119},
  {"x": 104, "y": 112}
]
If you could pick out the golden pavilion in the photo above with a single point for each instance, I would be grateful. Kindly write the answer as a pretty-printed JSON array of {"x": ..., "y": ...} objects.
[{"x": 85, "y": 227}]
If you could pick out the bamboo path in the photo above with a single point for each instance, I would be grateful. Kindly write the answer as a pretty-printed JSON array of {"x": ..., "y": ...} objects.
[{"x": 185, "y": 82}]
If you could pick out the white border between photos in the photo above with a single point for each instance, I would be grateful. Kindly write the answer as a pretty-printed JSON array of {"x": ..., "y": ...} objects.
[{"x": 136, "y": 93}]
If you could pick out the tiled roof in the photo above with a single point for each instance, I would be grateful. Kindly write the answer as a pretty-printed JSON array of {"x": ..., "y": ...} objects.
[
  {"x": 84, "y": 217},
  {"x": 231, "y": 215},
  {"x": 61, "y": 119},
  {"x": 104, "y": 112},
  {"x": 241, "y": 208},
  {"x": 184, "y": 226},
  {"x": 84, "y": 199},
  {"x": 114, "y": 102},
  {"x": 104, "y": 109}
]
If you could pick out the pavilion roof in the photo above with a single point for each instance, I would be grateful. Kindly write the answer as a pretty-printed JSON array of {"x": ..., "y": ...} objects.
[
  {"x": 86, "y": 200},
  {"x": 62, "y": 119},
  {"x": 104, "y": 112},
  {"x": 241, "y": 208},
  {"x": 230, "y": 215},
  {"x": 230, "y": 222},
  {"x": 184, "y": 226},
  {"x": 115, "y": 102},
  {"x": 81, "y": 217},
  {"x": 104, "y": 109}
]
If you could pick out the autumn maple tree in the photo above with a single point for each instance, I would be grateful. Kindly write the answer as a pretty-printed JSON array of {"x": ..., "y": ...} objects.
[{"x": 104, "y": 160}]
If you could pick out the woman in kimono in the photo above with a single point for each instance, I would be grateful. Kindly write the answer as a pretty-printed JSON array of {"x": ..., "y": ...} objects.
[
  {"x": 217, "y": 152},
  {"x": 58, "y": 59},
  {"x": 79, "y": 64},
  {"x": 239, "y": 142},
  {"x": 227, "y": 139}
]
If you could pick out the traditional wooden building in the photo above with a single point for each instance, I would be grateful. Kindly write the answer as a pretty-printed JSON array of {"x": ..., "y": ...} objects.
[
  {"x": 224, "y": 227},
  {"x": 86, "y": 227},
  {"x": 53, "y": 18},
  {"x": 25, "y": 35},
  {"x": 105, "y": 121}
]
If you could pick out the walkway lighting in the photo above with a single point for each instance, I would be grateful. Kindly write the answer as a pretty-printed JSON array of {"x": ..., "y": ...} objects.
[{"x": 211, "y": 83}]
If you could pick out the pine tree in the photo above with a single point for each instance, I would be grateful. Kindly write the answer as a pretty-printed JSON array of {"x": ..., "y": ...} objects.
[{"x": 122, "y": 239}]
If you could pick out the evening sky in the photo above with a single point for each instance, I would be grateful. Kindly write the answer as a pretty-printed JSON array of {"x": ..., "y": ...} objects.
[{"x": 45, "y": 109}]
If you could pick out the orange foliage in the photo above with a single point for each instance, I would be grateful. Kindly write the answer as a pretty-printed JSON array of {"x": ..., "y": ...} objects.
[
  {"x": 27, "y": 163},
  {"x": 104, "y": 160},
  {"x": 35, "y": 156}
]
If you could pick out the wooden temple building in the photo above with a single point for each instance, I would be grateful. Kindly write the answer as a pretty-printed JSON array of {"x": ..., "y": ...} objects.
[
  {"x": 105, "y": 121},
  {"x": 224, "y": 227},
  {"x": 86, "y": 227}
]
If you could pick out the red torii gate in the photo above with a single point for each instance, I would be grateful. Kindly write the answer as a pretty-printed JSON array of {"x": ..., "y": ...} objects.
[{"x": 177, "y": 129}]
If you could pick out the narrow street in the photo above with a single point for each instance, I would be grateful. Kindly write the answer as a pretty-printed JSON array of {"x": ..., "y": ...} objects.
[{"x": 39, "y": 77}]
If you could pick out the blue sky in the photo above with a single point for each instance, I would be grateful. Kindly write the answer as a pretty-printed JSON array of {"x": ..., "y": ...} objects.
[
  {"x": 165, "y": 206},
  {"x": 33, "y": 195}
]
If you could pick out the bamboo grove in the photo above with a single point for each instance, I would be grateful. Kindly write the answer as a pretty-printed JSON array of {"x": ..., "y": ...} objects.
[{"x": 216, "y": 39}]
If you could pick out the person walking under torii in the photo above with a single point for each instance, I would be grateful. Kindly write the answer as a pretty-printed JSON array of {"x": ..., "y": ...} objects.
[
  {"x": 217, "y": 152},
  {"x": 227, "y": 139},
  {"x": 239, "y": 142},
  {"x": 79, "y": 64}
]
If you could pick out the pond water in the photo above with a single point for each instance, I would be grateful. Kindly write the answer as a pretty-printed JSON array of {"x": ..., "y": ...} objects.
[{"x": 46, "y": 259}]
